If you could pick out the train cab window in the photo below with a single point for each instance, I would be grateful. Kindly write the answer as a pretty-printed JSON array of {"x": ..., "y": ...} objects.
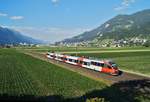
[{"x": 114, "y": 65}]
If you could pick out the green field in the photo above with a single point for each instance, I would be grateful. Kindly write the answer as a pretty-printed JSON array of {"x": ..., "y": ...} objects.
[{"x": 23, "y": 77}]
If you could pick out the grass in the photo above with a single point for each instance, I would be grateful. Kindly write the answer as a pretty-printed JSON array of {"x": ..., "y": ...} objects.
[
  {"x": 131, "y": 61},
  {"x": 28, "y": 78},
  {"x": 35, "y": 77}
]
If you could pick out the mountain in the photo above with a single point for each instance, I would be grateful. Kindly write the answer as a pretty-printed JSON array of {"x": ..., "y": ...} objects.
[
  {"x": 9, "y": 36},
  {"x": 119, "y": 27}
]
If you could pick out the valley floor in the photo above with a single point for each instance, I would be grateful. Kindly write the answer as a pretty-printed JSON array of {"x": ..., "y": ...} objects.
[{"x": 26, "y": 78}]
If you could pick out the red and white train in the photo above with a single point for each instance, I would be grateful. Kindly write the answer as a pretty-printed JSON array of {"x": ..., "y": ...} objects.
[{"x": 104, "y": 66}]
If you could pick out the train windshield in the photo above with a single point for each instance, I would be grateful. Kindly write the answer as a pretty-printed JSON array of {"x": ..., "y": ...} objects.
[{"x": 114, "y": 65}]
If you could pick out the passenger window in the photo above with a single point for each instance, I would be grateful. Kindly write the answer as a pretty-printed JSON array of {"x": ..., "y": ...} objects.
[
  {"x": 102, "y": 64},
  {"x": 85, "y": 63},
  {"x": 98, "y": 64},
  {"x": 95, "y": 63},
  {"x": 76, "y": 61},
  {"x": 92, "y": 63},
  {"x": 70, "y": 60},
  {"x": 88, "y": 64},
  {"x": 73, "y": 60},
  {"x": 65, "y": 59}
]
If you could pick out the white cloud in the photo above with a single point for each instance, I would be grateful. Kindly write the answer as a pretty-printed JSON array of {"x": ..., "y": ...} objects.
[
  {"x": 16, "y": 17},
  {"x": 50, "y": 34},
  {"x": 55, "y": 1},
  {"x": 11, "y": 17},
  {"x": 124, "y": 5},
  {"x": 3, "y": 14}
]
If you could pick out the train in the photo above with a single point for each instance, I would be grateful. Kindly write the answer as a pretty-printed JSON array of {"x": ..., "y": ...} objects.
[{"x": 104, "y": 66}]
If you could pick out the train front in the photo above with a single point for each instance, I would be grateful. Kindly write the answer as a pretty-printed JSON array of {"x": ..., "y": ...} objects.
[{"x": 114, "y": 67}]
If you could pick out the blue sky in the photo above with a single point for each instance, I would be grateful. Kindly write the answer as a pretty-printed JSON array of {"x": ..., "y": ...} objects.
[{"x": 54, "y": 20}]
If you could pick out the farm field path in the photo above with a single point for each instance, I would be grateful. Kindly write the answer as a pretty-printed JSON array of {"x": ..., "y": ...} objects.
[{"x": 125, "y": 76}]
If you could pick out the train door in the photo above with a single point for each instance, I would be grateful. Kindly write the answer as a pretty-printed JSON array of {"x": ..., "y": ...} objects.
[
  {"x": 64, "y": 58},
  {"x": 80, "y": 61},
  {"x": 54, "y": 56}
]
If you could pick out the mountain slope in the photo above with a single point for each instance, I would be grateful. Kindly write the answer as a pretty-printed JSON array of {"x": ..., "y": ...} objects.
[
  {"x": 9, "y": 36},
  {"x": 119, "y": 27}
]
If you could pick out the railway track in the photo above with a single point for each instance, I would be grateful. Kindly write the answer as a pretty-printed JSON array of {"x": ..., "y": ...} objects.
[{"x": 124, "y": 76}]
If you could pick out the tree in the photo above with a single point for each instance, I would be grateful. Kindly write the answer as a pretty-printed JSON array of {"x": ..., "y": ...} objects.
[{"x": 147, "y": 43}]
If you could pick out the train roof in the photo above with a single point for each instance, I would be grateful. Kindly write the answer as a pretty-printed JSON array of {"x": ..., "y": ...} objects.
[
  {"x": 90, "y": 59},
  {"x": 73, "y": 57}
]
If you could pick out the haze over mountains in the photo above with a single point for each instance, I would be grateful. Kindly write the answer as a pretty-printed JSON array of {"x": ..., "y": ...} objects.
[
  {"x": 9, "y": 36},
  {"x": 119, "y": 27}
]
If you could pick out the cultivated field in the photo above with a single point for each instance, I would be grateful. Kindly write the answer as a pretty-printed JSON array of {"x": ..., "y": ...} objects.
[{"x": 23, "y": 77}]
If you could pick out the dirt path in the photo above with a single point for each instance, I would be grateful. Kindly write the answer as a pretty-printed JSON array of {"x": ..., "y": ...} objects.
[{"x": 90, "y": 73}]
